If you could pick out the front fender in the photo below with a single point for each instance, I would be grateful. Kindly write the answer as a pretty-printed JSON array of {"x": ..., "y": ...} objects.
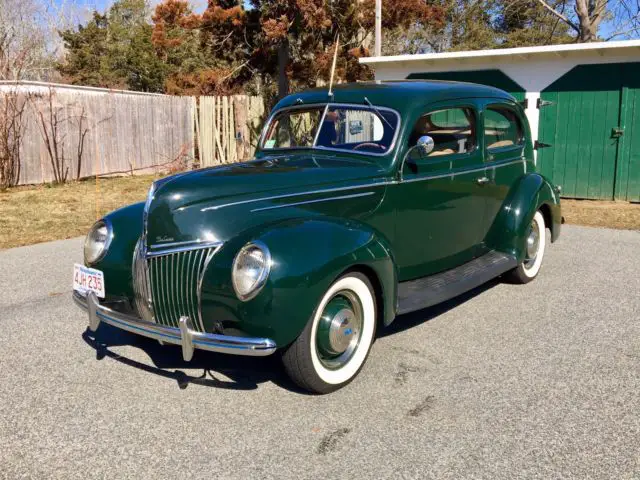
[
  {"x": 530, "y": 194},
  {"x": 308, "y": 255},
  {"x": 116, "y": 264}
]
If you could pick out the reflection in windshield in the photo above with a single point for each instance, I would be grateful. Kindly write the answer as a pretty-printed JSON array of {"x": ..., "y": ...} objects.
[
  {"x": 359, "y": 129},
  {"x": 296, "y": 128}
]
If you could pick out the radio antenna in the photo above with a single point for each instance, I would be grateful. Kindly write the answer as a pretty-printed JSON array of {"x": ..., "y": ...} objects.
[{"x": 333, "y": 65}]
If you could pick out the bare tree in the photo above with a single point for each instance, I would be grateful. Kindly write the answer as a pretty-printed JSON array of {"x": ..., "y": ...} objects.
[
  {"x": 29, "y": 48},
  {"x": 63, "y": 126},
  {"x": 585, "y": 17},
  {"x": 22, "y": 40},
  {"x": 20, "y": 55},
  {"x": 625, "y": 21},
  {"x": 83, "y": 130},
  {"x": 51, "y": 118},
  {"x": 12, "y": 125},
  {"x": 29, "y": 40}
]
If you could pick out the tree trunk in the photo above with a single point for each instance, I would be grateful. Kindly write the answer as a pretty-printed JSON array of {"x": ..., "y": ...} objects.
[
  {"x": 283, "y": 61},
  {"x": 589, "y": 14}
]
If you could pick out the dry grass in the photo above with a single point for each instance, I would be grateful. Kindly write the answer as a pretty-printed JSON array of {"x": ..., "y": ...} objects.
[
  {"x": 39, "y": 214},
  {"x": 596, "y": 213}
]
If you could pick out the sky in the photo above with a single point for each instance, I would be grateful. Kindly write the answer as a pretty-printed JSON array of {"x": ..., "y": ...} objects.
[
  {"x": 102, "y": 5},
  {"x": 81, "y": 9}
]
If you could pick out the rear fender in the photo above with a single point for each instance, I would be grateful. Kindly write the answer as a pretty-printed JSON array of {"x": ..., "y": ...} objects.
[{"x": 531, "y": 193}]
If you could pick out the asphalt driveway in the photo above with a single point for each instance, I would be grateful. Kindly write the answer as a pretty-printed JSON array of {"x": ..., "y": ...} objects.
[{"x": 535, "y": 381}]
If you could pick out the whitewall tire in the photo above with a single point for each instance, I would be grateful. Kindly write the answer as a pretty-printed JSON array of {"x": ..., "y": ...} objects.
[
  {"x": 535, "y": 246},
  {"x": 336, "y": 341}
]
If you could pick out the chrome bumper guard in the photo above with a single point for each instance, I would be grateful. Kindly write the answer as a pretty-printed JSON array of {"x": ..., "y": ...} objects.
[{"x": 185, "y": 336}]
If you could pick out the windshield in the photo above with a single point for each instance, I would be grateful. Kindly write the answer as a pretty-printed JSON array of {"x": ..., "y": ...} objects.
[{"x": 339, "y": 127}]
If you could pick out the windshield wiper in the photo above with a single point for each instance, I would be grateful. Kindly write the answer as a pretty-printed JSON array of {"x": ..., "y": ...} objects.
[{"x": 378, "y": 112}]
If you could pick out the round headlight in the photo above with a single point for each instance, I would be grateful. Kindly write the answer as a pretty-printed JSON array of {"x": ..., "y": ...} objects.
[
  {"x": 97, "y": 242},
  {"x": 250, "y": 270}
]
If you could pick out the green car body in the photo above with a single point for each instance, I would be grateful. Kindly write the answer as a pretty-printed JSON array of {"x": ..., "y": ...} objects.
[{"x": 324, "y": 212}]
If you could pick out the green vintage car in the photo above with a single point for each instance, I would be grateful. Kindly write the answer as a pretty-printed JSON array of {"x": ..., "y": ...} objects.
[{"x": 361, "y": 204}]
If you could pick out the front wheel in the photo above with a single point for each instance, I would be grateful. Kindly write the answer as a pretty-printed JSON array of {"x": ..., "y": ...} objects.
[
  {"x": 536, "y": 241},
  {"x": 335, "y": 343}
]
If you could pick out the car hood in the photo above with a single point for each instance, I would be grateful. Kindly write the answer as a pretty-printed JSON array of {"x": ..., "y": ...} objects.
[{"x": 212, "y": 204}]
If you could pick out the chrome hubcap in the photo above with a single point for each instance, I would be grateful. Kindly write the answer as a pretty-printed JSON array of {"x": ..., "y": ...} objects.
[
  {"x": 339, "y": 329},
  {"x": 533, "y": 243}
]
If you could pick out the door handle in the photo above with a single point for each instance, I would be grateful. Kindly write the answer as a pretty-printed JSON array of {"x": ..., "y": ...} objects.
[{"x": 482, "y": 180}]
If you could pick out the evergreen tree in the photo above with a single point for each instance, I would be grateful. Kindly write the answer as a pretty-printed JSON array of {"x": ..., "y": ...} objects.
[
  {"x": 282, "y": 45},
  {"x": 302, "y": 34},
  {"x": 86, "y": 51},
  {"x": 204, "y": 53},
  {"x": 114, "y": 50}
]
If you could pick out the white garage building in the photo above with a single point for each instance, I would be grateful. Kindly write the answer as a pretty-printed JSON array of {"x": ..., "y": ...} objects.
[{"x": 582, "y": 100}]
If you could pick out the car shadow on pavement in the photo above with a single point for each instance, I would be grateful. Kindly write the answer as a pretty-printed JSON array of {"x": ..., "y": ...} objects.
[
  {"x": 243, "y": 373},
  {"x": 413, "y": 319}
]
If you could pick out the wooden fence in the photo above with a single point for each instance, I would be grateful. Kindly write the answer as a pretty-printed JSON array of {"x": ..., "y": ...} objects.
[
  {"x": 95, "y": 131},
  {"x": 228, "y": 128}
]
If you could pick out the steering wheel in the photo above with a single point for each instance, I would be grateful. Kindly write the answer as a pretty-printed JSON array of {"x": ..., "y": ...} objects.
[{"x": 369, "y": 144}]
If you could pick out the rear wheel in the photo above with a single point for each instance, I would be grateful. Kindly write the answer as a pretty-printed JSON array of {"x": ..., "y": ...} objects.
[
  {"x": 335, "y": 343},
  {"x": 536, "y": 241}
]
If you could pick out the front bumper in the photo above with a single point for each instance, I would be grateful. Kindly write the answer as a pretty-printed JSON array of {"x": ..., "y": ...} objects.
[{"x": 185, "y": 336}]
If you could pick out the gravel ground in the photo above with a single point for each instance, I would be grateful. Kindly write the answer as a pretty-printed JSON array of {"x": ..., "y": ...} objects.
[{"x": 535, "y": 381}]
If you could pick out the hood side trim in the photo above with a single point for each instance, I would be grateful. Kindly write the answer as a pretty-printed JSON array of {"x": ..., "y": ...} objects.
[
  {"x": 318, "y": 200},
  {"x": 297, "y": 194}
]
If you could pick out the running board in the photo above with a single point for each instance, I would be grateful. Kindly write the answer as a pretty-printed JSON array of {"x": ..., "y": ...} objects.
[{"x": 427, "y": 291}]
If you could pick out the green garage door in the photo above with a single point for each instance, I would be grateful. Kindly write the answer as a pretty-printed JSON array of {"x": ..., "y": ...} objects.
[
  {"x": 590, "y": 117},
  {"x": 628, "y": 162},
  {"x": 493, "y": 78}
]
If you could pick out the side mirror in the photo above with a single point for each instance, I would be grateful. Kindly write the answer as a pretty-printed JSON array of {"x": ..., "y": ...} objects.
[{"x": 425, "y": 145}]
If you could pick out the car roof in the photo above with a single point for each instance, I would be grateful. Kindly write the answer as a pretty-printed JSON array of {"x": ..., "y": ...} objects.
[{"x": 401, "y": 95}]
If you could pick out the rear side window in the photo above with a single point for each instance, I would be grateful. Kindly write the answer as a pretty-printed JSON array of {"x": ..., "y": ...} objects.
[
  {"x": 453, "y": 131},
  {"x": 502, "y": 128}
]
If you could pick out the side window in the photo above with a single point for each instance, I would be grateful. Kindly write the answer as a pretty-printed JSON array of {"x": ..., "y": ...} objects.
[
  {"x": 453, "y": 131},
  {"x": 502, "y": 128}
]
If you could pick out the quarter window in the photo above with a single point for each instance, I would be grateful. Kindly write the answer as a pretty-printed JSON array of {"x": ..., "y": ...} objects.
[
  {"x": 502, "y": 128},
  {"x": 453, "y": 131}
]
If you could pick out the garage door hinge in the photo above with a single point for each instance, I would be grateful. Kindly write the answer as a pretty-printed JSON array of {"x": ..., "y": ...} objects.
[
  {"x": 538, "y": 145},
  {"x": 617, "y": 132},
  {"x": 543, "y": 103}
]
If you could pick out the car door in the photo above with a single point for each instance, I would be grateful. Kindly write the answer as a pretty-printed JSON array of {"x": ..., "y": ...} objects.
[
  {"x": 504, "y": 143},
  {"x": 440, "y": 208}
]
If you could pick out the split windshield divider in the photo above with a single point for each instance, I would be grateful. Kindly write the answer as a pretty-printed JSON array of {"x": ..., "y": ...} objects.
[{"x": 324, "y": 114}]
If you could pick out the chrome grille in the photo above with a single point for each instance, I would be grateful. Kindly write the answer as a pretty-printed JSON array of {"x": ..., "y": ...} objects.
[
  {"x": 167, "y": 285},
  {"x": 141, "y": 286}
]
